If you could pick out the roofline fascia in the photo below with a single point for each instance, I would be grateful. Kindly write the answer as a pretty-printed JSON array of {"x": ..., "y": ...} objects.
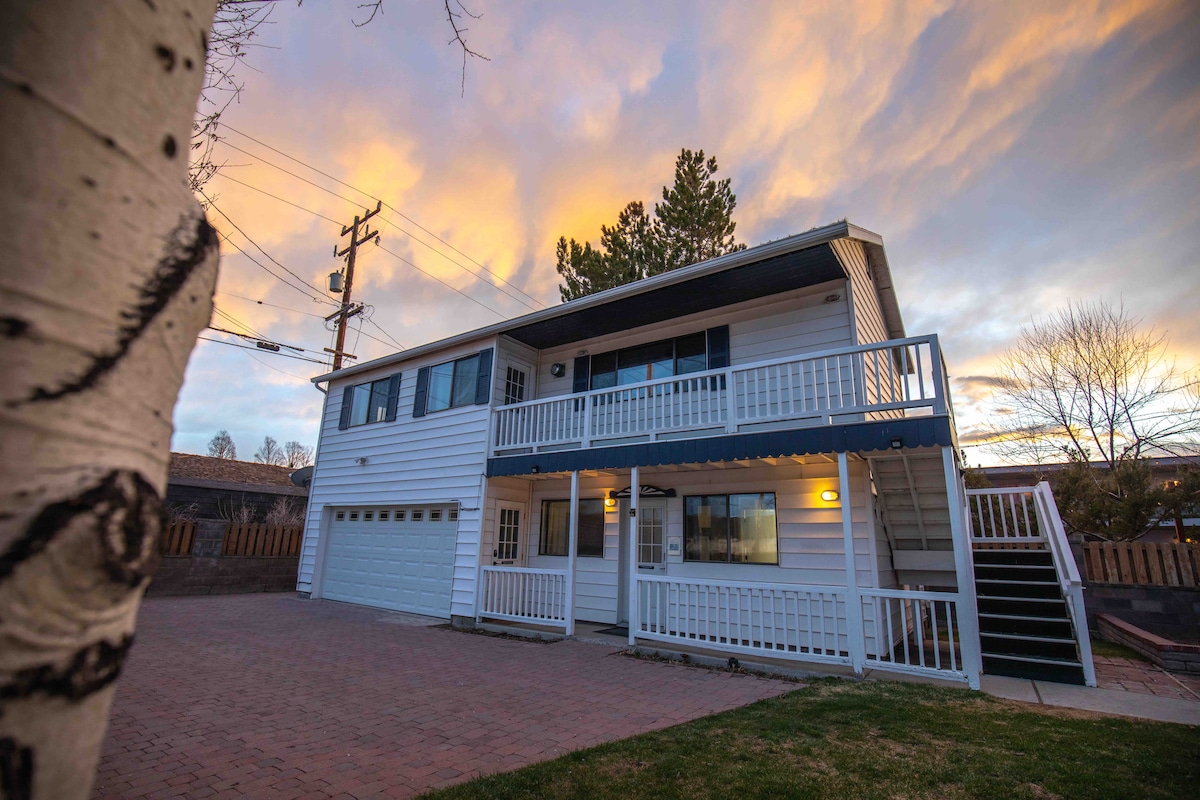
[{"x": 800, "y": 241}]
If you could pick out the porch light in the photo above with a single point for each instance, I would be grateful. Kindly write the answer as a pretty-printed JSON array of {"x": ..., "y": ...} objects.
[
  {"x": 830, "y": 495},
  {"x": 897, "y": 443},
  {"x": 610, "y": 502}
]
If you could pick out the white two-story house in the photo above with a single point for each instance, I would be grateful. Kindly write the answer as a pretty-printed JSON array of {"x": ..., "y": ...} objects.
[{"x": 747, "y": 455}]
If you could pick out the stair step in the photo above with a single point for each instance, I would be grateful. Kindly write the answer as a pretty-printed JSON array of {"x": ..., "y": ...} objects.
[
  {"x": 1023, "y": 624},
  {"x": 1023, "y": 557},
  {"x": 1053, "y": 608},
  {"x": 1027, "y": 589},
  {"x": 1041, "y": 647},
  {"x": 1036, "y": 573},
  {"x": 1056, "y": 670}
]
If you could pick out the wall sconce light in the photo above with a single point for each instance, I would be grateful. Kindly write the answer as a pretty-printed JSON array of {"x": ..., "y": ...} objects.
[
  {"x": 897, "y": 443},
  {"x": 558, "y": 370},
  {"x": 361, "y": 461},
  {"x": 830, "y": 495},
  {"x": 610, "y": 503},
  {"x": 535, "y": 470}
]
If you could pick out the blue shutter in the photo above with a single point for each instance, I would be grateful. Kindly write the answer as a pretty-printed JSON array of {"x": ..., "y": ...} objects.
[
  {"x": 582, "y": 374},
  {"x": 393, "y": 397},
  {"x": 422, "y": 391},
  {"x": 347, "y": 396},
  {"x": 483, "y": 381},
  {"x": 718, "y": 347}
]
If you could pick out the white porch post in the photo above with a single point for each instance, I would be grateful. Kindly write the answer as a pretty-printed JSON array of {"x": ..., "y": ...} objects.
[
  {"x": 634, "y": 491},
  {"x": 854, "y": 613},
  {"x": 968, "y": 610},
  {"x": 572, "y": 549}
]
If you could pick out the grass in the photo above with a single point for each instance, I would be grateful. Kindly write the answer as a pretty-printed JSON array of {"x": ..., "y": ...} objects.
[
  {"x": 842, "y": 739},
  {"x": 1113, "y": 650}
]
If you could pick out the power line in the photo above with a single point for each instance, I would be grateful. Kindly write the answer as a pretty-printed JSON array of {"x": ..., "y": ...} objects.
[
  {"x": 256, "y": 349},
  {"x": 442, "y": 282},
  {"x": 537, "y": 303},
  {"x": 317, "y": 297},
  {"x": 280, "y": 199},
  {"x": 271, "y": 305}
]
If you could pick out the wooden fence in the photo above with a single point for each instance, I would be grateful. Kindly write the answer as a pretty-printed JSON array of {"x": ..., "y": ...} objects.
[
  {"x": 1143, "y": 563},
  {"x": 177, "y": 539},
  {"x": 262, "y": 540}
]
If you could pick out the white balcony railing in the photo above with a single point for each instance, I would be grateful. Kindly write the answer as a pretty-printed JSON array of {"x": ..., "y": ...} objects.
[
  {"x": 519, "y": 594},
  {"x": 888, "y": 379}
]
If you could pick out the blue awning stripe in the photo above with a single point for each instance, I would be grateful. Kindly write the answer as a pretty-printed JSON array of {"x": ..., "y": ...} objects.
[{"x": 859, "y": 437}]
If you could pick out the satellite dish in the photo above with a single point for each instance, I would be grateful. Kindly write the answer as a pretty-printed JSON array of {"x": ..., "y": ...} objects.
[{"x": 302, "y": 477}]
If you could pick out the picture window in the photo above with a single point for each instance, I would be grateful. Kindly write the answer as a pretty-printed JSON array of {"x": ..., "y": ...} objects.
[
  {"x": 731, "y": 528},
  {"x": 556, "y": 532},
  {"x": 453, "y": 383}
]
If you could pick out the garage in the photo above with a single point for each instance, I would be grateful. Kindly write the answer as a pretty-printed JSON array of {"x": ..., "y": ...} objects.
[{"x": 399, "y": 558}]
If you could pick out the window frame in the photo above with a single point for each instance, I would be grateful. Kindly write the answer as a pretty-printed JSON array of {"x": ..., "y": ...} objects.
[
  {"x": 456, "y": 393},
  {"x": 691, "y": 531},
  {"x": 376, "y": 389},
  {"x": 611, "y": 378},
  {"x": 543, "y": 531}
]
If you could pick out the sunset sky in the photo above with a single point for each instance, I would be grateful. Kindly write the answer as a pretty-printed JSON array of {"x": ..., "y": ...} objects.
[{"x": 1014, "y": 156}]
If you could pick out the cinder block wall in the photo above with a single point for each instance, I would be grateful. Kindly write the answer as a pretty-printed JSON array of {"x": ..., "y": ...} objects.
[
  {"x": 1169, "y": 611},
  {"x": 206, "y": 571}
]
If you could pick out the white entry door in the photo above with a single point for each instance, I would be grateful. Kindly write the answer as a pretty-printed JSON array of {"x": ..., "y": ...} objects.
[{"x": 652, "y": 536}]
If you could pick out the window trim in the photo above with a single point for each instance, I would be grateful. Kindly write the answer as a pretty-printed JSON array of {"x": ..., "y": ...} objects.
[
  {"x": 729, "y": 529},
  {"x": 387, "y": 388},
  {"x": 480, "y": 393},
  {"x": 544, "y": 521}
]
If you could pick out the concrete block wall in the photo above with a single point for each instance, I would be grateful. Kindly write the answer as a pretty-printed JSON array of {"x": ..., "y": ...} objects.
[
  {"x": 1169, "y": 611},
  {"x": 1169, "y": 655},
  {"x": 206, "y": 571}
]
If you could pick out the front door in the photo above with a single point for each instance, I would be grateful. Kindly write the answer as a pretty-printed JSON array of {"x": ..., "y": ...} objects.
[
  {"x": 651, "y": 533},
  {"x": 507, "y": 548}
]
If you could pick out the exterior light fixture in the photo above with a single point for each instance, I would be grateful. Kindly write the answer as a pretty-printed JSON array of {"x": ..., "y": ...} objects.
[
  {"x": 829, "y": 495},
  {"x": 535, "y": 470},
  {"x": 897, "y": 443},
  {"x": 610, "y": 502},
  {"x": 558, "y": 370}
]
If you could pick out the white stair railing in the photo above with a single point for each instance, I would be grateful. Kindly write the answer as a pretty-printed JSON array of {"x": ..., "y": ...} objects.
[{"x": 913, "y": 632}]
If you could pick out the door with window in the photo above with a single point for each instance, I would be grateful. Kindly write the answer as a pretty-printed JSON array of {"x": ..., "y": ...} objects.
[
  {"x": 517, "y": 388},
  {"x": 652, "y": 536},
  {"x": 507, "y": 549}
]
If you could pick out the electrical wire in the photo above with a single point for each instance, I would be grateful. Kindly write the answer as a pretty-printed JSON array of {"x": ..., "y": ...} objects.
[
  {"x": 537, "y": 304},
  {"x": 271, "y": 305},
  {"x": 280, "y": 199},
  {"x": 257, "y": 349},
  {"x": 442, "y": 282}
]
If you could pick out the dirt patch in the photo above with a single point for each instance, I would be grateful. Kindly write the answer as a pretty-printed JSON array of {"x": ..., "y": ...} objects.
[{"x": 535, "y": 639}]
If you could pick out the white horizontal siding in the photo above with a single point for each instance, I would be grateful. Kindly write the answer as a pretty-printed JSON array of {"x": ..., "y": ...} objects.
[
  {"x": 868, "y": 314},
  {"x": 438, "y": 458},
  {"x": 793, "y": 322}
]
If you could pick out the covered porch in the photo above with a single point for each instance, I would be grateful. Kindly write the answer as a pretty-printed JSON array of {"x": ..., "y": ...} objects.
[{"x": 783, "y": 558}]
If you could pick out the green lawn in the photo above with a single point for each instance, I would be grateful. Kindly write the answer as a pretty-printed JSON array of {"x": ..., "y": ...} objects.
[
  {"x": 842, "y": 739},
  {"x": 1114, "y": 650}
]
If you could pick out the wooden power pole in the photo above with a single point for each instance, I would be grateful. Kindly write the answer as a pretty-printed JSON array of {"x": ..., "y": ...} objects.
[{"x": 351, "y": 250}]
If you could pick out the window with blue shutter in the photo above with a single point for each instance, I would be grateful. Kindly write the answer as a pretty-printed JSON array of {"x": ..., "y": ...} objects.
[
  {"x": 462, "y": 382},
  {"x": 374, "y": 401}
]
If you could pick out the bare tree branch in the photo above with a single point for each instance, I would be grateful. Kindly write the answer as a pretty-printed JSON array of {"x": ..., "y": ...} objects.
[{"x": 453, "y": 18}]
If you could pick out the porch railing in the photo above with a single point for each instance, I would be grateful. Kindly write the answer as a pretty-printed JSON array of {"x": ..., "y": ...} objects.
[
  {"x": 780, "y": 620},
  {"x": 913, "y": 631},
  {"x": 519, "y": 594},
  {"x": 886, "y": 379},
  {"x": 1033, "y": 520}
]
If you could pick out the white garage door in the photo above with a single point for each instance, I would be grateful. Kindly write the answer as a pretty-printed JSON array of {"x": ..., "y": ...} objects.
[{"x": 397, "y": 558}]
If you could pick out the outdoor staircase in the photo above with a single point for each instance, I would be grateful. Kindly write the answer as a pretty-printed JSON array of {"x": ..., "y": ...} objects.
[{"x": 1025, "y": 629}]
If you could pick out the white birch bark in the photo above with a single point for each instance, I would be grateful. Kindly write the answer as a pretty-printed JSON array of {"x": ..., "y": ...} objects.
[{"x": 106, "y": 276}]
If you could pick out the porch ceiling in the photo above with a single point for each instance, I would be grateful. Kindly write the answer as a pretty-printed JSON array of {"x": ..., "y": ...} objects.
[
  {"x": 863, "y": 437},
  {"x": 782, "y": 273}
]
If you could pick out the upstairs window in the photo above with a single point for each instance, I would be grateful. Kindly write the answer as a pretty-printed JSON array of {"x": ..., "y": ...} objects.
[
  {"x": 367, "y": 403},
  {"x": 646, "y": 362},
  {"x": 462, "y": 382}
]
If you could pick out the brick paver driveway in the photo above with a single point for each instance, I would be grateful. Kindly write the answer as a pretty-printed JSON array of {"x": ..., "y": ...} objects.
[{"x": 273, "y": 696}]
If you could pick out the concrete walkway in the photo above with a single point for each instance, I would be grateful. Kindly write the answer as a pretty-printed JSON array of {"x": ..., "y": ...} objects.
[
  {"x": 271, "y": 696},
  {"x": 1120, "y": 702}
]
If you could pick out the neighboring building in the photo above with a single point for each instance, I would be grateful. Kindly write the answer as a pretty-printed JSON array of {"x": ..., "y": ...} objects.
[
  {"x": 744, "y": 455},
  {"x": 202, "y": 487}
]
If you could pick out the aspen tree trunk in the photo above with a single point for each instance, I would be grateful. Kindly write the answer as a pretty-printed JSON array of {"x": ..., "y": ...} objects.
[{"x": 107, "y": 270}]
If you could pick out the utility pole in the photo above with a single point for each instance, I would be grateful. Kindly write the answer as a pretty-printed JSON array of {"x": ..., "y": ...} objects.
[{"x": 351, "y": 250}]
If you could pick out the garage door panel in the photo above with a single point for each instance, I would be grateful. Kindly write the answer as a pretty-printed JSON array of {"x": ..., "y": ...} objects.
[{"x": 399, "y": 565}]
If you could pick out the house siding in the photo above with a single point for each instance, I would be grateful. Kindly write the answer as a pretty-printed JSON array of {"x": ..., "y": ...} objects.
[
  {"x": 811, "y": 547},
  {"x": 437, "y": 458},
  {"x": 794, "y": 322},
  {"x": 868, "y": 314}
]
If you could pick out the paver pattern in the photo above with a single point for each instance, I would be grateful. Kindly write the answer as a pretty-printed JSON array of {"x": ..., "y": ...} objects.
[
  {"x": 1141, "y": 677},
  {"x": 273, "y": 696}
]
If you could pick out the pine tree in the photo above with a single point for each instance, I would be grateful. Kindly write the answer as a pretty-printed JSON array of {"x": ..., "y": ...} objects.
[
  {"x": 696, "y": 214},
  {"x": 222, "y": 446},
  {"x": 693, "y": 223}
]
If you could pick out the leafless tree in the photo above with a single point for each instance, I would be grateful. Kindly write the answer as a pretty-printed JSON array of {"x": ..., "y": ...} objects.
[
  {"x": 286, "y": 511},
  {"x": 270, "y": 453},
  {"x": 1092, "y": 383},
  {"x": 237, "y": 512},
  {"x": 222, "y": 446},
  {"x": 296, "y": 455},
  {"x": 183, "y": 512}
]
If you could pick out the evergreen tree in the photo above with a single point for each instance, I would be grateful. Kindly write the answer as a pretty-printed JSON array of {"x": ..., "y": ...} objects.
[
  {"x": 693, "y": 223},
  {"x": 222, "y": 446},
  {"x": 696, "y": 214}
]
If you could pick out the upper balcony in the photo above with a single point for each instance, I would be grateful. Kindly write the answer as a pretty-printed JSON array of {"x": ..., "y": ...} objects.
[{"x": 893, "y": 379}]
